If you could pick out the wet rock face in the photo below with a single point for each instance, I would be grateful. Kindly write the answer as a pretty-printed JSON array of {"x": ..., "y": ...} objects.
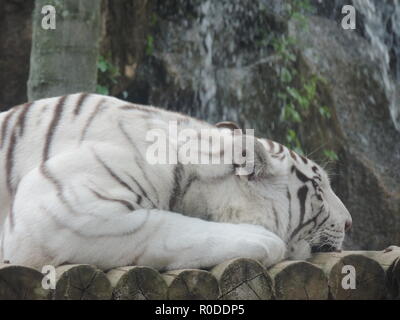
[
  {"x": 213, "y": 60},
  {"x": 378, "y": 21},
  {"x": 210, "y": 60}
]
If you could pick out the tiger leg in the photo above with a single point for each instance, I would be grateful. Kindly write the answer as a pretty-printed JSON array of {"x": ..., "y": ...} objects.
[{"x": 157, "y": 238}]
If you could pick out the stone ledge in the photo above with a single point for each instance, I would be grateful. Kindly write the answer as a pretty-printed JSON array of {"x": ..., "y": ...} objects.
[{"x": 324, "y": 276}]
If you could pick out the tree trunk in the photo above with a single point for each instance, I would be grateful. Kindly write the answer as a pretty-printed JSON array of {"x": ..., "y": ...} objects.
[{"x": 64, "y": 59}]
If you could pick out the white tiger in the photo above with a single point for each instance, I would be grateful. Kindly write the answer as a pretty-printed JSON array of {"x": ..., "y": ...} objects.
[{"x": 75, "y": 187}]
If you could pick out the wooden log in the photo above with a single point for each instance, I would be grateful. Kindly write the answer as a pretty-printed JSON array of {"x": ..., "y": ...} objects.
[
  {"x": 339, "y": 267},
  {"x": 243, "y": 279},
  {"x": 299, "y": 280},
  {"x": 393, "y": 280},
  {"x": 191, "y": 284},
  {"x": 385, "y": 259},
  {"x": 137, "y": 283},
  {"x": 81, "y": 282},
  {"x": 389, "y": 261},
  {"x": 21, "y": 283}
]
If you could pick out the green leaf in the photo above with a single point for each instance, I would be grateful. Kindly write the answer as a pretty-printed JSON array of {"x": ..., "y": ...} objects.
[
  {"x": 102, "y": 89},
  {"x": 304, "y": 103},
  {"x": 311, "y": 88},
  {"x": 291, "y": 136},
  {"x": 282, "y": 96},
  {"x": 102, "y": 65},
  {"x": 291, "y": 114},
  {"x": 150, "y": 45},
  {"x": 325, "y": 112},
  {"x": 331, "y": 155},
  {"x": 294, "y": 93},
  {"x": 293, "y": 141},
  {"x": 286, "y": 76}
]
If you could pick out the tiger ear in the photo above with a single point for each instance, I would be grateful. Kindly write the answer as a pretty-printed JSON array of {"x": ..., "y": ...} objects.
[
  {"x": 229, "y": 125},
  {"x": 255, "y": 162}
]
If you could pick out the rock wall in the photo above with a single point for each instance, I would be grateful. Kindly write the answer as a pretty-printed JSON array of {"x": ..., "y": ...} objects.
[{"x": 338, "y": 276}]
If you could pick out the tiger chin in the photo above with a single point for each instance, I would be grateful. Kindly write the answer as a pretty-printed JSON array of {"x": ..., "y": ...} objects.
[{"x": 77, "y": 185}]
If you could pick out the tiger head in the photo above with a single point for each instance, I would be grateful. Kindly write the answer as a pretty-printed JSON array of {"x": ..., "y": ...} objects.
[
  {"x": 321, "y": 217},
  {"x": 285, "y": 192}
]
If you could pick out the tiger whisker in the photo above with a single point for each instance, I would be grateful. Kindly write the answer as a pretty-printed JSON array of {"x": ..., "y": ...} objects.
[{"x": 315, "y": 150}]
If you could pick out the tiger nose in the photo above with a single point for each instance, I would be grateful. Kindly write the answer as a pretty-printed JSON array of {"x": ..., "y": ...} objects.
[{"x": 347, "y": 225}]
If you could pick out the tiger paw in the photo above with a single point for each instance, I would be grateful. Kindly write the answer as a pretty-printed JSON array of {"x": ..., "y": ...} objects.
[{"x": 255, "y": 242}]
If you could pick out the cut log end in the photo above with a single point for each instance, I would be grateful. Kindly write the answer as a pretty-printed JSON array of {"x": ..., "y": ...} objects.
[
  {"x": 299, "y": 280},
  {"x": 137, "y": 283},
  {"x": 21, "y": 283},
  {"x": 243, "y": 279},
  {"x": 352, "y": 276},
  {"x": 191, "y": 284},
  {"x": 388, "y": 259},
  {"x": 81, "y": 282}
]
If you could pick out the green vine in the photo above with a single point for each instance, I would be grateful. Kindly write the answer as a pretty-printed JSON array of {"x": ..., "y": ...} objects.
[
  {"x": 149, "y": 49},
  {"x": 149, "y": 45},
  {"x": 297, "y": 94},
  {"x": 107, "y": 75}
]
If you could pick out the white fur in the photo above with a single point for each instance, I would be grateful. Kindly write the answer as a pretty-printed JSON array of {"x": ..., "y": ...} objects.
[{"x": 60, "y": 219}]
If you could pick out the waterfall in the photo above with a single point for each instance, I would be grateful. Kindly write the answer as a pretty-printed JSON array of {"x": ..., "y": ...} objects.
[
  {"x": 208, "y": 86},
  {"x": 380, "y": 20}
]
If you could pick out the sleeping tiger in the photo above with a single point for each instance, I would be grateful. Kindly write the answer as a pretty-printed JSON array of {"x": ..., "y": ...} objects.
[{"x": 76, "y": 187}]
